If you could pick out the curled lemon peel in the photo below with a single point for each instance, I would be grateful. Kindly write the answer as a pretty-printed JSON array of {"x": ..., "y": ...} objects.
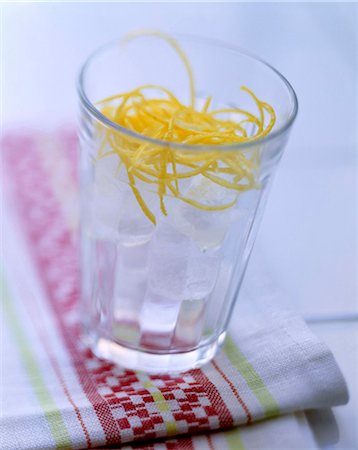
[{"x": 166, "y": 118}]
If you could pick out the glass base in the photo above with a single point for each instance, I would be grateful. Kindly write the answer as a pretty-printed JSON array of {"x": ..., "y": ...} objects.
[{"x": 155, "y": 363}]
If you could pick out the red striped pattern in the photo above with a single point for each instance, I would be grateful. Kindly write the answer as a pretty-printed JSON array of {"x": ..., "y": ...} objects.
[
  {"x": 50, "y": 243},
  {"x": 235, "y": 392}
]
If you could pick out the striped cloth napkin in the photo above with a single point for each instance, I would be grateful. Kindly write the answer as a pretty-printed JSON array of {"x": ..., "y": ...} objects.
[{"x": 57, "y": 394}]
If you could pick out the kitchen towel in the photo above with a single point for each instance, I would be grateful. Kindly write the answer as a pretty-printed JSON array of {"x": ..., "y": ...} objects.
[{"x": 57, "y": 394}]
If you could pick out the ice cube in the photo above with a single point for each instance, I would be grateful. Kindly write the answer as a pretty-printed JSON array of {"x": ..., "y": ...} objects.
[
  {"x": 177, "y": 268},
  {"x": 116, "y": 213},
  {"x": 130, "y": 285},
  {"x": 207, "y": 228},
  {"x": 130, "y": 281}
]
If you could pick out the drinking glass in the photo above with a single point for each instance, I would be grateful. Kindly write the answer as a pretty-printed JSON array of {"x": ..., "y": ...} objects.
[{"x": 158, "y": 288}]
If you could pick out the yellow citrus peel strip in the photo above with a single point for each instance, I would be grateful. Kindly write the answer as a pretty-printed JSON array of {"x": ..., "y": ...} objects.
[{"x": 166, "y": 118}]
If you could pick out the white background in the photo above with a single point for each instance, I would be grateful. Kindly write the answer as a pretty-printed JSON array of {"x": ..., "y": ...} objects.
[{"x": 308, "y": 238}]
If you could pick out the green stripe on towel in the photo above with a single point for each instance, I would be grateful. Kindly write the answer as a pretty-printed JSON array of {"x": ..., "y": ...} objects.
[
  {"x": 252, "y": 378},
  {"x": 52, "y": 414},
  {"x": 233, "y": 439}
]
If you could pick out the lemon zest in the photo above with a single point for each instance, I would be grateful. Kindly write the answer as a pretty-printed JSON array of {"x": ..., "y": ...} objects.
[{"x": 167, "y": 119}]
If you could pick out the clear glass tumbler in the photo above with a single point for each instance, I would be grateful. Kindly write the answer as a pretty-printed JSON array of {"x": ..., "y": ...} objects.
[{"x": 158, "y": 296}]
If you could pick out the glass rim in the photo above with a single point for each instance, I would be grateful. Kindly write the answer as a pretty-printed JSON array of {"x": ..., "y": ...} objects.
[{"x": 96, "y": 113}]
